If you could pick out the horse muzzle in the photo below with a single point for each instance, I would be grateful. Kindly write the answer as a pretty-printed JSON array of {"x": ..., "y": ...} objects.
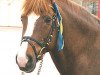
[{"x": 28, "y": 66}]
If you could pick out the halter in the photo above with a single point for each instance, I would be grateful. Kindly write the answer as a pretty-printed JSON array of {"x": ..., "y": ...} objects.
[{"x": 44, "y": 44}]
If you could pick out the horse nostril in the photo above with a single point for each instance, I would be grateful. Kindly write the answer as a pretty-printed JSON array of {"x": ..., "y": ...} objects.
[
  {"x": 30, "y": 61},
  {"x": 16, "y": 59},
  {"x": 21, "y": 61}
]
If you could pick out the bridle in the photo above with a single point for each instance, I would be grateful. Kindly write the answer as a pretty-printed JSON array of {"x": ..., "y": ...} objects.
[
  {"x": 56, "y": 24},
  {"x": 43, "y": 44}
]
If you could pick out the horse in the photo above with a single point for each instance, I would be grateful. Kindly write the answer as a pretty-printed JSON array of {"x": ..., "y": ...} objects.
[{"x": 80, "y": 50}]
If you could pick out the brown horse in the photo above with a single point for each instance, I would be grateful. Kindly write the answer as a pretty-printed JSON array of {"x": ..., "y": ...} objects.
[{"x": 81, "y": 34}]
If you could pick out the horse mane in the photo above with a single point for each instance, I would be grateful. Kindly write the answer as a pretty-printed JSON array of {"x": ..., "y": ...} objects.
[{"x": 39, "y": 7}]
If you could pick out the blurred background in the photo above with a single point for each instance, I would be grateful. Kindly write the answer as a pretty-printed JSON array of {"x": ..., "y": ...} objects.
[
  {"x": 10, "y": 34},
  {"x": 10, "y": 10},
  {"x": 93, "y": 6}
]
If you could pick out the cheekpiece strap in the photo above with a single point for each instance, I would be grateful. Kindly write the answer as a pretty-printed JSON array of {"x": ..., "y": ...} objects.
[{"x": 60, "y": 30}]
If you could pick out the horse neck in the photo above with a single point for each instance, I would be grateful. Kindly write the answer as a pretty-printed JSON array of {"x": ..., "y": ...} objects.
[{"x": 79, "y": 26}]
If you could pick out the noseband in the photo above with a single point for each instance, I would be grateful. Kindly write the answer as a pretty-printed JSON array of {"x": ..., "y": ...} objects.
[{"x": 43, "y": 44}]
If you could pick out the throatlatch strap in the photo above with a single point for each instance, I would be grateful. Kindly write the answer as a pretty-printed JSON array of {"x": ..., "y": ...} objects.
[{"x": 60, "y": 31}]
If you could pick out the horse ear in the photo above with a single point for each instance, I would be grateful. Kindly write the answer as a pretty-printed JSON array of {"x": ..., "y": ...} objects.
[{"x": 24, "y": 20}]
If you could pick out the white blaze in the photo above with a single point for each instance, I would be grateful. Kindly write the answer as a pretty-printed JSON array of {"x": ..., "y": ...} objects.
[
  {"x": 21, "y": 58},
  {"x": 30, "y": 27}
]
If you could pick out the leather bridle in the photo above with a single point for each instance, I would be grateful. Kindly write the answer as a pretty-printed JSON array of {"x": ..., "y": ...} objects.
[{"x": 42, "y": 44}]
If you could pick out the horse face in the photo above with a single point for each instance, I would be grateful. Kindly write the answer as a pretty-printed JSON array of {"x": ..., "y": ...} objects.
[{"x": 38, "y": 27}]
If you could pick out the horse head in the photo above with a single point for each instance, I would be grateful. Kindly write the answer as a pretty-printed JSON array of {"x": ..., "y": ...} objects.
[{"x": 38, "y": 36}]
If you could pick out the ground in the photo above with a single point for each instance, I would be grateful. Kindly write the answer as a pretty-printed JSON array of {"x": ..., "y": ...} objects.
[{"x": 9, "y": 43}]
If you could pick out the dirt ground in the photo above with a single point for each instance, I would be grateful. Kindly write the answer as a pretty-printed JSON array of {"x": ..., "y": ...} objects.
[{"x": 9, "y": 42}]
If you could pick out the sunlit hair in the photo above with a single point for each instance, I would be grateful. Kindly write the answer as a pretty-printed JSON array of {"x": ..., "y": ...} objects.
[{"x": 39, "y": 7}]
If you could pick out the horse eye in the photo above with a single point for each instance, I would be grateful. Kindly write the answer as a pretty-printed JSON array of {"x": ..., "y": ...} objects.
[{"x": 47, "y": 19}]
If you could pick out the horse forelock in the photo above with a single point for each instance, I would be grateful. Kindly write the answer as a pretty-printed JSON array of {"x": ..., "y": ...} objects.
[{"x": 39, "y": 7}]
